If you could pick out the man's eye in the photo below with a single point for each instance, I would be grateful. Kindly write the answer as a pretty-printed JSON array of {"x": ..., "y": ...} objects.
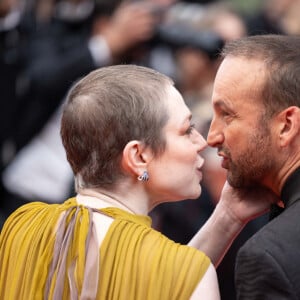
[
  {"x": 225, "y": 113},
  {"x": 226, "y": 116},
  {"x": 190, "y": 129}
]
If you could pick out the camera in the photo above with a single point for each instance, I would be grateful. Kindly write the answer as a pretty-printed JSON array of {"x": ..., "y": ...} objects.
[{"x": 179, "y": 36}]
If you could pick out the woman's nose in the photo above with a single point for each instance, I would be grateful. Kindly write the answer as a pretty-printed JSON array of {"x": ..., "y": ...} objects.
[{"x": 200, "y": 141}]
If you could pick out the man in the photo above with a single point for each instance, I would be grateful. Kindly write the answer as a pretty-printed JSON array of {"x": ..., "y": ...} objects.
[{"x": 256, "y": 129}]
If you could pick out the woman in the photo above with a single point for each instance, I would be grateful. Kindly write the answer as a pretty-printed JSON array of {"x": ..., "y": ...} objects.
[{"x": 131, "y": 145}]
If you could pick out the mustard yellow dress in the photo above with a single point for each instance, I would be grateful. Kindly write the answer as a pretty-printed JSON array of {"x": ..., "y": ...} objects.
[{"x": 51, "y": 252}]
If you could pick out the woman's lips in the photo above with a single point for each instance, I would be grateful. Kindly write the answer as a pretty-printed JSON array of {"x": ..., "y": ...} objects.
[{"x": 199, "y": 172}]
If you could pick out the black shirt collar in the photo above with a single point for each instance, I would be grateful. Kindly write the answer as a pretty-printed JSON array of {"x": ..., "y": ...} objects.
[{"x": 291, "y": 190}]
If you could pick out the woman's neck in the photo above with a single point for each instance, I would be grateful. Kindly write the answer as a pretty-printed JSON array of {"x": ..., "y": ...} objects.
[{"x": 101, "y": 199}]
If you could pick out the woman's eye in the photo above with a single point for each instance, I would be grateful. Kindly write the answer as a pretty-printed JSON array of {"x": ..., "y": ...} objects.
[{"x": 190, "y": 129}]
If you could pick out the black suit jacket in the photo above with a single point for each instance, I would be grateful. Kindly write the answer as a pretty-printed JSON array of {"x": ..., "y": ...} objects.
[{"x": 268, "y": 265}]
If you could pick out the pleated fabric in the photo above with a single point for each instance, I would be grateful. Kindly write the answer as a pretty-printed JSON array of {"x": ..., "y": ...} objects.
[{"x": 52, "y": 252}]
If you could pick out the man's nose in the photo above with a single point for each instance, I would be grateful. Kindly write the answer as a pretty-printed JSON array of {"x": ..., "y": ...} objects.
[{"x": 215, "y": 135}]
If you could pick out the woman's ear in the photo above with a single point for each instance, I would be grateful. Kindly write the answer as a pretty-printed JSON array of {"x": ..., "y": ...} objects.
[
  {"x": 289, "y": 120},
  {"x": 136, "y": 157}
]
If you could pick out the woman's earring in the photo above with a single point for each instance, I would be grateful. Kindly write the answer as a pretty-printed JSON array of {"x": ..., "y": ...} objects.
[{"x": 144, "y": 176}]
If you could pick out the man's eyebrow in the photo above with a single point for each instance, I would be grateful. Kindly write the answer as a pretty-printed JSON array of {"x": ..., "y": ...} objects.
[{"x": 221, "y": 104}]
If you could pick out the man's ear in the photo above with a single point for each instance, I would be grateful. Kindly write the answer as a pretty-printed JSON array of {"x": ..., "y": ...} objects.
[
  {"x": 136, "y": 157},
  {"x": 289, "y": 122}
]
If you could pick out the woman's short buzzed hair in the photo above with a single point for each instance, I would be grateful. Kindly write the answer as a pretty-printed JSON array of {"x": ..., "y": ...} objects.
[{"x": 103, "y": 112}]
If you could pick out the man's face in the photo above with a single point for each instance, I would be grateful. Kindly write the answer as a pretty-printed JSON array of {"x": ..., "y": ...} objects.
[{"x": 239, "y": 129}]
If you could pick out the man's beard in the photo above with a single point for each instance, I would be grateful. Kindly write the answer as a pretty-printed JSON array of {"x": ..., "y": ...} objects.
[{"x": 250, "y": 168}]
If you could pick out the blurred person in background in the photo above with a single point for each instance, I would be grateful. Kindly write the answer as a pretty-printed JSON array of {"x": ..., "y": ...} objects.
[
  {"x": 15, "y": 31},
  {"x": 79, "y": 36},
  {"x": 274, "y": 16}
]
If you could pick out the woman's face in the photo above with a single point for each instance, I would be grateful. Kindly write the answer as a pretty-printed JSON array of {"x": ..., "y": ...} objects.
[{"x": 176, "y": 174}]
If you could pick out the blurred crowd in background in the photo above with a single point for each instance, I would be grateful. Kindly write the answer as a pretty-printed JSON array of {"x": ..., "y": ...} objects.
[{"x": 46, "y": 45}]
